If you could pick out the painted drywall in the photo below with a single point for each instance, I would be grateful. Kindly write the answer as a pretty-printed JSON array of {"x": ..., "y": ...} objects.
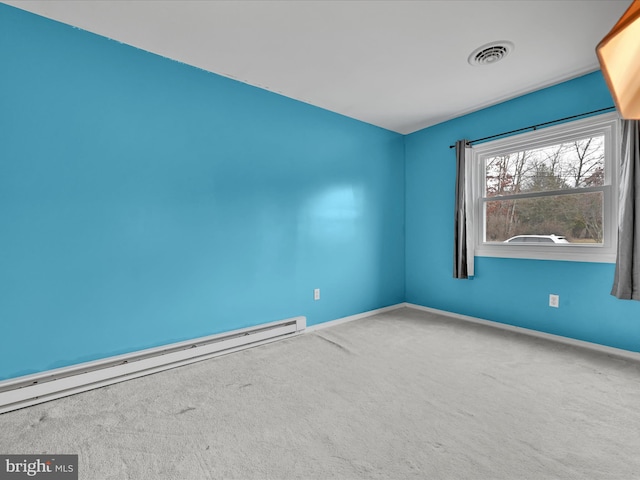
[
  {"x": 511, "y": 291},
  {"x": 143, "y": 201}
]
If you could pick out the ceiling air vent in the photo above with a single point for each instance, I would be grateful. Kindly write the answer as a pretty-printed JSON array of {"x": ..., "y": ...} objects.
[{"x": 490, "y": 53}]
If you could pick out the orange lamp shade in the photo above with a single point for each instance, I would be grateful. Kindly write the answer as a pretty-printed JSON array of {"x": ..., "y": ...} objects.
[{"x": 619, "y": 56}]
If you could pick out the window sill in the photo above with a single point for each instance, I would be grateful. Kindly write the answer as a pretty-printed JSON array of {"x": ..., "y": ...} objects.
[{"x": 565, "y": 253}]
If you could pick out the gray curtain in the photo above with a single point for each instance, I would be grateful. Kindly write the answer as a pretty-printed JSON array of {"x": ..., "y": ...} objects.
[
  {"x": 626, "y": 284},
  {"x": 460, "y": 234}
]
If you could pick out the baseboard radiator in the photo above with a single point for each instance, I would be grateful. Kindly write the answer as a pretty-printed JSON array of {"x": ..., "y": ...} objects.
[{"x": 29, "y": 390}]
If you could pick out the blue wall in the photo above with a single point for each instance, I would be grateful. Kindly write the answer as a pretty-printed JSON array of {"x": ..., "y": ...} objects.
[
  {"x": 144, "y": 202},
  {"x": 510, "y": 291}
]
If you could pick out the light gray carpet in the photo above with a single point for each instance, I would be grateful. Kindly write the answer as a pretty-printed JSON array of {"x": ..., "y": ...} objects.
[{"x": 401, "y": 395}]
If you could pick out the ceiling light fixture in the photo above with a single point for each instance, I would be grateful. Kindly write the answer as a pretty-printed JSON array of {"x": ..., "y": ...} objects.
[
  {"x": 490, "y": 53},
  {"x": 619, "y": 56}
]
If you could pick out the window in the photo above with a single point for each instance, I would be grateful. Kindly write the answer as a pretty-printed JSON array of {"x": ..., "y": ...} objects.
[{"x": 548, "y": 194}]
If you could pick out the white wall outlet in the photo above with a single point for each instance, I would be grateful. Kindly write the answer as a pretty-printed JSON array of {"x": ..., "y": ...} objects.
[
  {"x": 316, "y": 294},
  {"x": 554, "y": 300}
]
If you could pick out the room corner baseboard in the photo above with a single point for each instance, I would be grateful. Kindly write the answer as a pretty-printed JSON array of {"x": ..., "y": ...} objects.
[
  {"x": 613, "y": 351},
  {"x": 30, "y": 390},
  {"x": 20, "y": 392},
  {"x": 351, "y": 318}
]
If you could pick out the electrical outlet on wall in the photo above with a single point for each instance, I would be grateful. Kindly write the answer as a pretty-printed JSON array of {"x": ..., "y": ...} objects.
[
  {"x": 554, "y": 300},
  {"x": 316, "y": 294}
]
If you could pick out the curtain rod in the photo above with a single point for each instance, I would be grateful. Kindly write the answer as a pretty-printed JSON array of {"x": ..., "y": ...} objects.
[{"x": 538, "y": 125}]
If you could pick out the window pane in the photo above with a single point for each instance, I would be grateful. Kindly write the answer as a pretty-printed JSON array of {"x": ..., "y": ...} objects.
[
  {"x": 576, "y": 164},
  {"x": 576, "y": 217}
]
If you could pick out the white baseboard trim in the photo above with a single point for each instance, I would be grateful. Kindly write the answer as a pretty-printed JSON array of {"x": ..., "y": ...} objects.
[
  {"x": 617, "y": 352},
  {"x": 351, "y": 318},
  {"x": 28, "y": 390},
  {"x": 41, "y": 387}
]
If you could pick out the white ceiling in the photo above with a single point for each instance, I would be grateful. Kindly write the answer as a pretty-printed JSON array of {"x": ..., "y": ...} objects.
[{"x": 401, "y": 65}]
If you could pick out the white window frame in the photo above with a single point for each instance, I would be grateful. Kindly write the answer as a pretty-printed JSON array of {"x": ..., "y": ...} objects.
[{"x": 607, "y": 125}]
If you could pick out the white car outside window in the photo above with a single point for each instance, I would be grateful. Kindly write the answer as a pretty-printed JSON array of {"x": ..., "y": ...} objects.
[{"x": 537, "y": 239}]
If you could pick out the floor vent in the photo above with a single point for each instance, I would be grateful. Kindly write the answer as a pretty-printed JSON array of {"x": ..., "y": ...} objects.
[{"x": 29, "y": 390}]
